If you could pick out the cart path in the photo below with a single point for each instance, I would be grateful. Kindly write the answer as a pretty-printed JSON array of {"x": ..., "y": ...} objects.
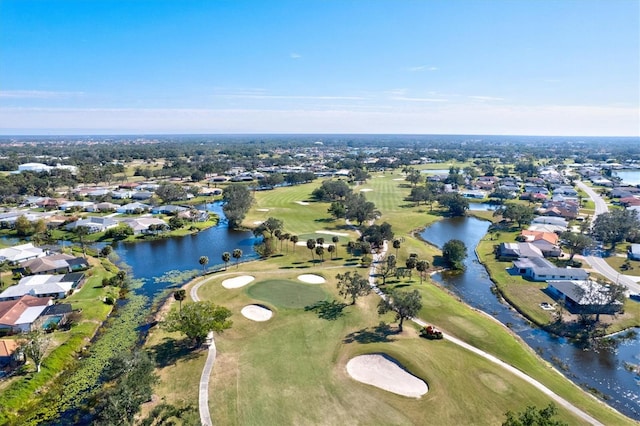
[{"x": 378, "y": 257}]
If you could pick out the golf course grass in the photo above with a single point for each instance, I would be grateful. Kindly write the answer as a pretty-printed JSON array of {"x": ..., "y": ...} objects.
[
  {"x": 286, "y": 294},
  {"x": 292, "y": 368}
]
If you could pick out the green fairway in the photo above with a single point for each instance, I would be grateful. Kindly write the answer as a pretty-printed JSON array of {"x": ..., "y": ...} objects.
[{"x": 286, "y": 294}]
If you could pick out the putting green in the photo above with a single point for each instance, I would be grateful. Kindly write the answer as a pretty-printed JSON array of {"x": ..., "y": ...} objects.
[{"x": 286, "y": 294}]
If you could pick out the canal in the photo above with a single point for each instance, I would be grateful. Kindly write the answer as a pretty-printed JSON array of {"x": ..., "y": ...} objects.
[{"x": 603, "y": 370}]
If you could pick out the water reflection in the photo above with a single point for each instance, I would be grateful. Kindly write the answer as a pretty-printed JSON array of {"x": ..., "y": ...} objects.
[{"x": 601, "y": 369}]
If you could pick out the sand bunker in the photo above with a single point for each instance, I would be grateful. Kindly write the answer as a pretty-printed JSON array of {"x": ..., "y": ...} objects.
[
  {"x": 258, "y": 222},
  {"x": 262, "y": 210},
  {"x": 380, "y": 371},
  {"x": 366, "y": 190},
  {"x": 399, "y": 179},
  {"x": 311, "y": 279},
  {"x": 302, "y": 203},
  {"x": 237, "y": 282},
  {"x": 256, "y": 313},
  {"x": 339, "y": 234}
]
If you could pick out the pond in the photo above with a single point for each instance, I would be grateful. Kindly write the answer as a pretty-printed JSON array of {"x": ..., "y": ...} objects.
[
  {"x": 629, "y": 177},
  {"x": 603, "y": 370},
  {"x": 152, "y": 260}
]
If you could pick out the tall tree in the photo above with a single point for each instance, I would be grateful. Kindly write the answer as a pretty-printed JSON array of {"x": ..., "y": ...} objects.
[
  {"x": 615, "y": 226},
  {"x": 516, "y": 212},
  {"x": 180, "y": 295},
  {"x": 81, "y": 232},
  {"x": 352, "y": 286},
  {"x": 410, "y": 263},
  {"x": 387, "y": 268},
  {"x": 197, "y": 319},
  {"x": 422, "y": 266},
  {"x": 335, "y": 240},
  {"x": 203, "y": 261},
  {"x": 320, "y": 252},
  {"x": 271, "y": 225},
  {"x": 331, "y": 249},
  {"x": 236, "y": 254},
  {"x": 294, "y": 240},
  {"x": 226, "y": 257},
  {"x": 237, "y": 200},
  {"x": 532, "y": 416},
  {"x": 454, "y": 252},
  {"x": 455, "y": 203},
  {"x": 35, "y": 347},
  {"x": 576, "y": 243},
  {"x": 405, "y": 304},
  {"x": 396, "y": 245},
  {"x": 311, "y": 244}
]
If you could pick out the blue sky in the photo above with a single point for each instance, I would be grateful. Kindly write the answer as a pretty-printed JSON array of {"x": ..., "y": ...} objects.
[{"x": 334, "y": 66}]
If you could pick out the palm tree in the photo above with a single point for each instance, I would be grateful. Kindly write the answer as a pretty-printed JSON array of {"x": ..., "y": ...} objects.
[
  {"x": 422, "y": 266},
  {"x": 320, "y": 252},
  {"x": 180, "y": 295},
  {"x": 204, "y": 260},
  {"x": 335, "y": 240},
  {"x": 331, "y": 249},
  {"x": 81, "y": 232},
  {"x": 286, "y": 236},
  {"x": 237, "y": 254},
  {"x": 311, "y": 244},
  {"x": 226, "y": 257},
  {"x": 294, "y": 239},
  {"x": 396, "y": 245},
  {"x": 411, "y": 263}
]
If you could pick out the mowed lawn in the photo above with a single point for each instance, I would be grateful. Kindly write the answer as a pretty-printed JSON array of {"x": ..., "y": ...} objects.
[{"x": 291, "y": 369}]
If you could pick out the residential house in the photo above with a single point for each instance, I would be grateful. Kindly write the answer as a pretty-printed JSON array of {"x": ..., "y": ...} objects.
[
  {"x": 54, "y": 264},
  {"x": 584, "y": 296},
  {"x": 508, "y": 251},
  {"x": 9, "y": 353},
  {"x": 21, "y": 253},
  {"x": 141, "y": 195},
  {"x": 103, "y": 207},
  {"x": 94, "y": 223},
  {"x": 19, "y": 316},
  {"x": 634, "y": 252},
  {"x": 540, "y": 269},
  {"x": 76, "y": 205},
  {"x": 141, "y": 225},
  {"x": 121, "y": 194},
  {"x": 133, "y": 208},
  {"x": 546, "y": 242},
  {"x": 168, "y": 209},
  {"x": 47, "y": 286}
]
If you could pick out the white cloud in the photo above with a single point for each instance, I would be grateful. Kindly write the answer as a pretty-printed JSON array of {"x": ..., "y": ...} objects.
[
  {"x": 443, "y": 118},
  {"x": 486, "y": 98},
  {"x": 412, "y": 99},
  {"x": 37, "y": 94},
  {"x": 294, "y": 55},
  {"x": 422, "y": 68}
]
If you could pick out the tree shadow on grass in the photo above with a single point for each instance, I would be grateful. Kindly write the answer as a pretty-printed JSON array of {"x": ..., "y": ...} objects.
[
  {"x": 327, "y": 310},
  {"x": 170, "y": 351},
  {"x": 377, "y": 334}
]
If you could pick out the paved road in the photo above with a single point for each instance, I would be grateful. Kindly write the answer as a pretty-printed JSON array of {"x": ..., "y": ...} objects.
[
  {"x": 598, "y": 263},
  {"x": 557, "y": 398}
]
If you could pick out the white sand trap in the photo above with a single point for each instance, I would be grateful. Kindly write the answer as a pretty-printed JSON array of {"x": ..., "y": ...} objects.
[
  {"x": 399, "y": 179},
  {"x": 237, "y": 282},
  {"x": 302, "y": 203},
  {"x": 304, "y": 243},
  {"x": 380, "y": 371},
  {"x": 366, "y": 190},
  {"x": 256, "y": 313},
  {"x": 258, "y": 222},
  {"x": 339, "y": 234},
  {"x": 311, "y": 279},
  {"x": 262, "y": 210}
]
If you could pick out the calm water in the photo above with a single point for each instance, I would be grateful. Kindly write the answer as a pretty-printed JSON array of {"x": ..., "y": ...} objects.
[
  {"x": 629, "y": 177},
  {"x": 603, "y": 369},
  {"x": 151, "y": 260}
]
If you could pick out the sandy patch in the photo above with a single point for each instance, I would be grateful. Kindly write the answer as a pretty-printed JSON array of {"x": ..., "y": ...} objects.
[
  {"x": 302, "y": 203},
  {"x": 258, "y": 222},
  {"x": 380, "y": 371},
  {"x": 256, "y": 313},
  {"x": 311, "y": 279},
  {"x": 237, "y": 282},
  {"x": 339, "y": 234},
  {"x": 304, "y": 243},
  {"x": 366, "y": 190},
  {"x": 262, "y": 210},
  {"x": 399, "y": 179}
]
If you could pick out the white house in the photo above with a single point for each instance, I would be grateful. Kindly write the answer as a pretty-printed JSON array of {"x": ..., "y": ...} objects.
[
  {"x": 21, "y": 253},
  {"x": 54, "y": 286}
]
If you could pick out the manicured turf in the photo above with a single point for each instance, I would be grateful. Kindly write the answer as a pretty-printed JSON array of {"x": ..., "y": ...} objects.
[{"x": 286, "y": 294}]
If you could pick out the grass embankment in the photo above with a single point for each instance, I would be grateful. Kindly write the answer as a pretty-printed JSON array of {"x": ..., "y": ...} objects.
[
  {"x": 25, "y": 390},
  {"x": 291, "y": 369}
]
